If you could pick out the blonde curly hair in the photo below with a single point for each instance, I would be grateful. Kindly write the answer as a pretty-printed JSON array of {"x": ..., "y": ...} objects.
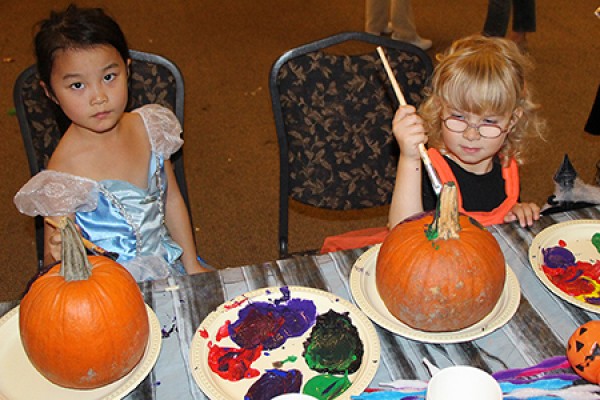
[{"x": 483, "y": 75}]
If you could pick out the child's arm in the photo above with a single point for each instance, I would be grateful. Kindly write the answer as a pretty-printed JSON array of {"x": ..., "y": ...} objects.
[
  {"x": 179, "y": 225},
  {"x": 525, "y": 213},
  {"x": 409, "y": 131}
]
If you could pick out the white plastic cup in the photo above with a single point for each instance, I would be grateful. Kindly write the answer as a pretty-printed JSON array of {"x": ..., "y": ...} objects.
[
  {"x": 294, "y": 396},
  {"x": 462, "y": 382}
]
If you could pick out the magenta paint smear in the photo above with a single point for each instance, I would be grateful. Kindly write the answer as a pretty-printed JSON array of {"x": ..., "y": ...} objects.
[{"x": 577, "y": 278}]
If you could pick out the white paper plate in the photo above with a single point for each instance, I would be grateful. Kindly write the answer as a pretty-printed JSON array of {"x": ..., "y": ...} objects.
[
  {"x": 575, "y": 236},
  {"x": 218, "y": 388},
  {"x": 19, "y": 380},
  {"x": 364, "y": 291}
]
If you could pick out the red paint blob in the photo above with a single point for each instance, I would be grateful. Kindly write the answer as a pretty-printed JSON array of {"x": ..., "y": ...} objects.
[
  {"x": 235, "y": 304},
  {"x": 223, "y": 331},
  {"x": 572, "y": 280},
  {"x": 233, "y": 364}
]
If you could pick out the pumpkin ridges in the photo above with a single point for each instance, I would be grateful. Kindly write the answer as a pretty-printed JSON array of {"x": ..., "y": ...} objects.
[{"x": 402, "y": 280}]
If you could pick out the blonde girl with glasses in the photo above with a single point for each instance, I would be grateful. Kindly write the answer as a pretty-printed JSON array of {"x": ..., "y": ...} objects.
[{"x": 475, "y": 120}]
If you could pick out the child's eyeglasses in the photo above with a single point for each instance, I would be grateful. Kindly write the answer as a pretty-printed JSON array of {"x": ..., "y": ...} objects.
[{"x": 488, "y": 131}]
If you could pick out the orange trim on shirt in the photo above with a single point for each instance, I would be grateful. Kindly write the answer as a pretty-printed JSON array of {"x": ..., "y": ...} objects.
[{"x": 511, "y": 187}]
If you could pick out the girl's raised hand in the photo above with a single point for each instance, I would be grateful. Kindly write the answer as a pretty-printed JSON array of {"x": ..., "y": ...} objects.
[{"x": 409, "y": 131}]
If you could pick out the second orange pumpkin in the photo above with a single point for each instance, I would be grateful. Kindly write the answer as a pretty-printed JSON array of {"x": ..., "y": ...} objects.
[{"x": 440, "y": 273}]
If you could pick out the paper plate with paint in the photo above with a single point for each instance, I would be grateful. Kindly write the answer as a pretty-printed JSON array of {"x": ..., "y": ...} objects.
[
  {"x": 364, "y": 291},
  {"x": 281, "y": 340},
  {"x": 566, "y": 258},
  {"x": 19, "y": 380}
]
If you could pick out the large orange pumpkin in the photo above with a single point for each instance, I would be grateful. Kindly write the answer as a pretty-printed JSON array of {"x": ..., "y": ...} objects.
[
  {"x": 441, "y": 271},
  {"x": 84, "y": 324}
]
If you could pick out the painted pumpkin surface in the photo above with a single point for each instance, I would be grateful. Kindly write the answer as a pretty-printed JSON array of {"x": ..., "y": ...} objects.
[
  {"x": 440, "y": 272},
  {"x": 583, "y": 351}
]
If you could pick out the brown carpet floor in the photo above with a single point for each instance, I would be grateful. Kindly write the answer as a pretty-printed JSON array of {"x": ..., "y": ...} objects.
[{"x": 225, "y": 49}]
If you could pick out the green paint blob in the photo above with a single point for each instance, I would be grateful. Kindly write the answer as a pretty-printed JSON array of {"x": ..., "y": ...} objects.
[
  {"x": 326, "y": 387},
  {"x": 279, "y": 364},
  {"x": 431, "y": 233},
  {"x": 334, "y": 345},
  {"x": 596, "y": 241}
]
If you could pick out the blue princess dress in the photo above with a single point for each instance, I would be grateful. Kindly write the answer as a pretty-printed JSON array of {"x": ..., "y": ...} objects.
[{"x": 117, "y": 215}]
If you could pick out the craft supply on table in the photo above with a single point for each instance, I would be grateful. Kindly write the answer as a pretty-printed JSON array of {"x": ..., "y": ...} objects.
[
  {"x": 565, "y": 258},
  {"x": 277, "y": 337}
]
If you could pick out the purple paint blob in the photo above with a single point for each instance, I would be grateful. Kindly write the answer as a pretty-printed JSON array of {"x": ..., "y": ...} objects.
[
  {"x": 275, "y": 382},
  {"x": 166, "y": 333},
  {"x": 558, "y": 257},
  {"x": 270, "y": 324},
  {"x": 593, "y": 300}
]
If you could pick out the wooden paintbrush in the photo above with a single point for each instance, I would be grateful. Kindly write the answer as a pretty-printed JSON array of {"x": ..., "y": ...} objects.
[
  {"x": 431, "y": 172},
  {"x": 88, "y": 245}
]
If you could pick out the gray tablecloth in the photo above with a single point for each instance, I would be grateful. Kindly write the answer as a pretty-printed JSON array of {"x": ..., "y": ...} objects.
[{"x": 539, "y": 329}]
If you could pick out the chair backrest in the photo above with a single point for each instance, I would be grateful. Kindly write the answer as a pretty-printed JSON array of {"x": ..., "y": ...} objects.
[
  {"x": 333, "y": 116},
  {"x": 153, "y": 80}
]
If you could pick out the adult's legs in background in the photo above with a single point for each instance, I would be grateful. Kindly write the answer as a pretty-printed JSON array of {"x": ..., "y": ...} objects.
[
  {"x": 524, "y": 21},
  {"x": 498, "y": 15},
  {"x": 400, "y": 16},
  {"x": 403, "y": 21},
  {"x": 377, "y": 16},
  {"x": 403, "y": 24}
]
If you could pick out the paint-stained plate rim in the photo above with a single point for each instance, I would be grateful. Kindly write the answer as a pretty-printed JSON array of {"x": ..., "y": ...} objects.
[
  {"x": 217, "y": 388},
  {"x": 365, "y": 294},
  {"x": 576, "y": 235}
]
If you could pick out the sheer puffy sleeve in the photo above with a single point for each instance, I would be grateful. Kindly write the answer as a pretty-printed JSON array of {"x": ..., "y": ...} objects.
[
  {"x": 164, "y": 130},
  {"x": 53, "y": 193}
]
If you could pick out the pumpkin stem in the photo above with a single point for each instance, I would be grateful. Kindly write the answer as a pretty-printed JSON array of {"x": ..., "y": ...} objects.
[
  {"x": 446, "y": 222},
  {"x": 75, "y": 264}
]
